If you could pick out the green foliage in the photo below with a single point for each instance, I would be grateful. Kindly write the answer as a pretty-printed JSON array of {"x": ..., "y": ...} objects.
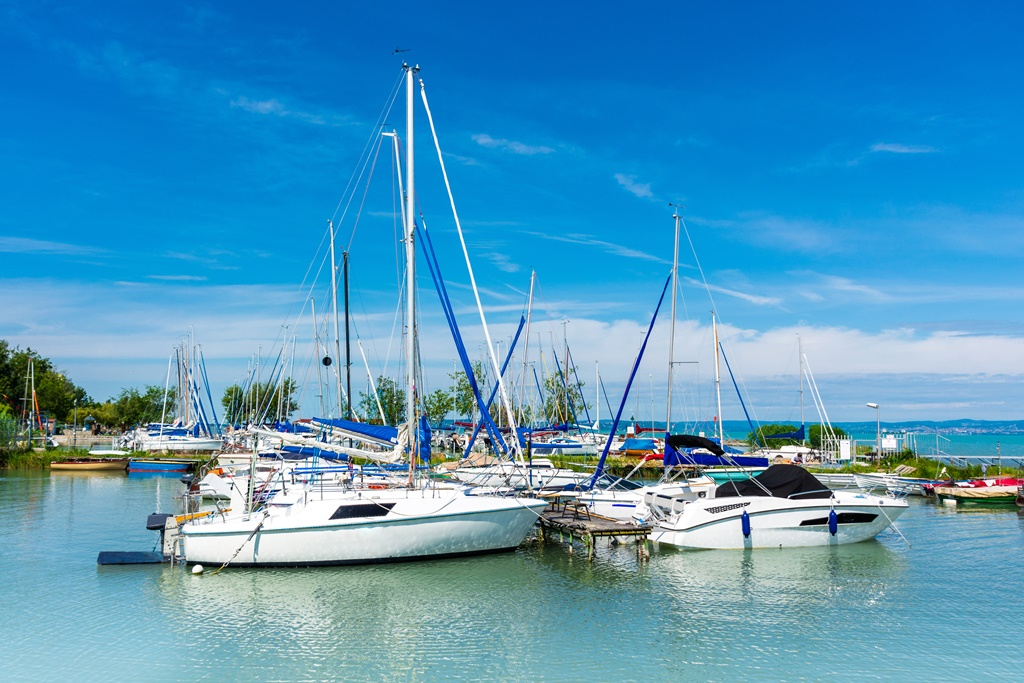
[
  {"x": 392, "y": 399},
  {"x": 814, "y": 435},
  {"x": 462, "y": 391},
  {"x": 263, "y": 402},
  {"x": 561, "y": 404},
  {"x": 757, "y": 438},
  {"x": 132, "y": 407},
  {"x": 55, "y": 393},
  {"x": 437, "y": 404}
]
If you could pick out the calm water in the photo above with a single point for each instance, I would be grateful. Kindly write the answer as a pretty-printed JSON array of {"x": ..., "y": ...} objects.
[{"x": 949, "y": 608}]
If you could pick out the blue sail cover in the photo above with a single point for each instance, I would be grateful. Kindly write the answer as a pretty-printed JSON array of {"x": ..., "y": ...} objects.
[
  {"x": 424, "y": 439},
  {"x": 687, "y": 449},
  {"x": 798, "y": 435},
  {"x": 384, "y": 435},
  {"x": 692, "y": 456}
]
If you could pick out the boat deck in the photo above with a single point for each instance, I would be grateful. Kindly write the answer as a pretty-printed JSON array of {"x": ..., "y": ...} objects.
[{"x": 574, "y": 520}]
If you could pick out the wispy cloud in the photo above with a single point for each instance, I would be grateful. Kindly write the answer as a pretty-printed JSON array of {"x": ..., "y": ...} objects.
[
  {"x": 608, "y": 247},
  {"x": 512, "y": 146},
  {"x": 179, "y": 278},
  {"x": 26, "y": 245},
  {"x": 272, "y": 107},
  {"x": 780, "y": 232},
  {"x": 897, "y": 148},
  {"x": 642, "y": 190},
  {"x": 750, "y": 298},
  {"x": 501, "y": 261}
]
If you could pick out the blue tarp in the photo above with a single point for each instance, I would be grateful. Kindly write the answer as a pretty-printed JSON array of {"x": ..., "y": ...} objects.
[
  {"x": 639, "y": 445},
  {"x": 797, "y": 435},
  {"x": 385, "y": 435},
  {"x": 688, "y": 457}
]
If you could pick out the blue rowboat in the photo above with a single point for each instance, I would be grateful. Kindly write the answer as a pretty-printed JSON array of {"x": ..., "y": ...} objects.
[{"x": 159, "y": 465}]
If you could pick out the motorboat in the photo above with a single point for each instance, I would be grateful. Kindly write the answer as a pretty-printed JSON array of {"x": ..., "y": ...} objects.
[{"x": 785, "y": 506}]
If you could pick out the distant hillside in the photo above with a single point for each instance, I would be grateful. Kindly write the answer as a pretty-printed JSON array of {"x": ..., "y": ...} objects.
[{"x": 963, "y": 426}]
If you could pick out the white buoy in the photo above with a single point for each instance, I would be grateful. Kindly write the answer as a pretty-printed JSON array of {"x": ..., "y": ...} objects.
[
  {"x": 951, "y": 502},
  {"x": 197, "y": 569}
]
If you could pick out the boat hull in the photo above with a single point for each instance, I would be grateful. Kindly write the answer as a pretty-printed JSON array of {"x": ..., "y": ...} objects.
[
  {"x": 778, "y": 522},
  {"x": 159, "y": 466},
  {"x": 98, "y": 465},
  {"x": 415, "y": 528}
]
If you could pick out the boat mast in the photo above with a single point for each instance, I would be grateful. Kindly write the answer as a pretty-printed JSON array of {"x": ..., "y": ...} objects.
[
  {"x": 410, "y": 274},
  {"x": 348, "y": 343},
  {"x": 800, "y": 352},
  {"x": 334, "y": 299},
  {"x": 718, "y": 384},
  {"x": 672, "y": 328}
]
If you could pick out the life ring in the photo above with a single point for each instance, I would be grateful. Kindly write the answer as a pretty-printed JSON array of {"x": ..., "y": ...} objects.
[{"x": 377, "y": 487}]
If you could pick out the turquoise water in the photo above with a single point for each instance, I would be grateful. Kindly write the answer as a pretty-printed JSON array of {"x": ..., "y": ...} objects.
[{"x": 948, "y": 608}]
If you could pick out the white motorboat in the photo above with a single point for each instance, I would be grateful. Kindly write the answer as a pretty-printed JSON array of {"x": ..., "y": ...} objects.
[{"x": 783, "y": 507}]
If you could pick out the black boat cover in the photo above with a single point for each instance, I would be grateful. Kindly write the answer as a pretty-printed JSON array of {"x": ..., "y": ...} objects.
[
  {"x": 678, "y": 441},
  {"x": 783, "y": 481}
]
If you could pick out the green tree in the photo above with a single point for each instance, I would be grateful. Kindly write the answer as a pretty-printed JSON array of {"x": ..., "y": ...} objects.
[
  {"x": 462, "y": 390},
  {"x": 101, "y": 413},
  {"x": 132, "y": 407},
  {"x": 263, "y": 402},
  {"x": 392, "y": 399},
  {"x": 437, "y": 404},
  {"x": 814, "y": 435},
  {"x": 562, "y": 404},
  {"x": 757, "y": 438},
  {"x": 55, "y": 393}
]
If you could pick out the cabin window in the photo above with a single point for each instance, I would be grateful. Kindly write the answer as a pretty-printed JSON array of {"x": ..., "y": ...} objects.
[
  {"x": 362, "y": 510},
  {"x": 842, "y": 518}
]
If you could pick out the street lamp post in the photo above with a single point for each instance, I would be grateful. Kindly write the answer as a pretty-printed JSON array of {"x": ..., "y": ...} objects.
[
  {"x": 74, "y": 432},
  {"x": 878, "y": 430}
]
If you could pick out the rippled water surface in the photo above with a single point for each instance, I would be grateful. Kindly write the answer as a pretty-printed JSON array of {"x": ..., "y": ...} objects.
[{"x": 948, "y": 608}]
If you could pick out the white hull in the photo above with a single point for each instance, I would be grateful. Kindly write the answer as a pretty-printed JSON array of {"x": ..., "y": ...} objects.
[
  {"x": 179, "y": 445},
  {"x": 778, "y": 522},
  {"x": 519, "y": 477},
  {"x": 414, "y": 525}
]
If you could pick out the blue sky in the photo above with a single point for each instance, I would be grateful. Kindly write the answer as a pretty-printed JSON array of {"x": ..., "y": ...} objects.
[{"x": 850, "y": 174}]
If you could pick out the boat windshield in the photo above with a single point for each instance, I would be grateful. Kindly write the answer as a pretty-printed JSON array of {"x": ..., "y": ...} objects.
[{"x": 607, "y": 481}]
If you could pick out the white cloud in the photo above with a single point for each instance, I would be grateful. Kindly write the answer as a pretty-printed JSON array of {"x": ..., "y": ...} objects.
[
  {"x": 608, "y": 247},
  {"x": 179, "y": 278},
  {"x": 897, "y": 148},
  {"x": 26, "y": 245},
  {"x": 750, "y": 298},
  {"x": 485, "y": 140},
  {"x": 642, "y": 190}
]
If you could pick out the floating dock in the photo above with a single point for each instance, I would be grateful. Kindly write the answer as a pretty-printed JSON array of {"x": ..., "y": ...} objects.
[{"x": 575, "y": 520}]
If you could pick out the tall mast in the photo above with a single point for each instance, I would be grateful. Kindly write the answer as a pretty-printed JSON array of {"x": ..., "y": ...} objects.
[
  {"x": 672, "y": 329},
  {"x": 334, "y": 299},
  {"x": 410, "y": 272},
  {"x": 718, "y": 384},
  {"x": 348, "y": 344},
  {"x": 800, "y": 352}
]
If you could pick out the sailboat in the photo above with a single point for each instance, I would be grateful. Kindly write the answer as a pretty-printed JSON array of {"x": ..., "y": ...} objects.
[
  {"x": 316, "y": 525},
  {"x": 783, "y": 506}
]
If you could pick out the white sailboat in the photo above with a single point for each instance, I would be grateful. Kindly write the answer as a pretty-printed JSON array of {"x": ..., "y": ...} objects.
[{"x": 311, "y": 525}]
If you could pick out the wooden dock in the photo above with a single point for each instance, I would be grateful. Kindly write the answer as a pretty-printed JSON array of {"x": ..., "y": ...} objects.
[{"x": 574, "y": 520}]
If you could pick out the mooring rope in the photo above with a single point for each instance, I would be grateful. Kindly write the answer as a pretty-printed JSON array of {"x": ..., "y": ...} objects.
[{"x": 230, "y": 559}]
